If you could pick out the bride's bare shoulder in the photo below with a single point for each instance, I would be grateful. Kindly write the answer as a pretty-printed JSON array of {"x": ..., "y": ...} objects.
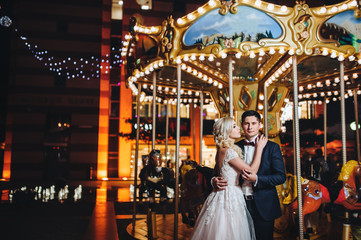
[{"x": 223, "y": 149}]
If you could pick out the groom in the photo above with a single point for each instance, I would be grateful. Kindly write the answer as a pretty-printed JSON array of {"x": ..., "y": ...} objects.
[{"x": 259, "y": 188}]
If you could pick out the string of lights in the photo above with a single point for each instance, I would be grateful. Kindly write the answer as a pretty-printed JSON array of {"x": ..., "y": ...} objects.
[{"x": 69, "y": 67}]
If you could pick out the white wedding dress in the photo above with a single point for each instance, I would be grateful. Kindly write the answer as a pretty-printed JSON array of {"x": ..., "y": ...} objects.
[{"x": 224, "y": 214}]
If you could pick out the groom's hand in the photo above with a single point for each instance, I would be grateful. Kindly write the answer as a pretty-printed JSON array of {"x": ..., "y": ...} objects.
[
  {"x": 249, "y": 176},
  {"x": 219, "y": 183}
]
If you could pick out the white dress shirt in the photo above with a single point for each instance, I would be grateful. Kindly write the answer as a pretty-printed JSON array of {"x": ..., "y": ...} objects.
[{"x": 248, "y": 158}]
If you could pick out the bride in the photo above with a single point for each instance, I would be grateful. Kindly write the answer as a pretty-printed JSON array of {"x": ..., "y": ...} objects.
[{"x": 224, "y": 214}]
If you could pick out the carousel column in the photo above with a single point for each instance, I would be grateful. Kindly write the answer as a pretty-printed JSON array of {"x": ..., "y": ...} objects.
[
  {"x": 325, "y": 128},
  {"x": 166, "y": 131},
  {"x": 265, "y": 103},
  {"x": 154, "y": 109},
  {"x": 357, "y": 127},
  {"x": 136, "y": 161},
  {"x": 343, "y": 118},
  {"x": 297, "y": 145},
  {"x": 194, "y": 131},
  {"x": 200, "y": 127},
  {"x": 230, "y": 74},
  {"x": 346, "y": 225},
  {"x": 176, "y": 195}
]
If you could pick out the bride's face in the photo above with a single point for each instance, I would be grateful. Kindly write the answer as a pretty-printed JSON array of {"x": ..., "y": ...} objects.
[{"x": 236, "y": 131}]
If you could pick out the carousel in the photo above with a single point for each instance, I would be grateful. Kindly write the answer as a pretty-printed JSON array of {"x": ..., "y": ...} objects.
[{"x": 254, "y": 55}]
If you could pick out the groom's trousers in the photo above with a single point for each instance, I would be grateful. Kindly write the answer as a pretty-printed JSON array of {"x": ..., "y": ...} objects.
[{"x": 264, "y": 229}]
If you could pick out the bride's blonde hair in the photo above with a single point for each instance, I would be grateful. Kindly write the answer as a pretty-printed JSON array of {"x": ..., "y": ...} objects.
[{"x": 222, "y": 128}]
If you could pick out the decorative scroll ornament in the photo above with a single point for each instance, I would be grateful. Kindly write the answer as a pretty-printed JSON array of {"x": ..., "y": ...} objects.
[
  {"x": 228, "y": 5},
  {"x": 302, "y": 26},
  {"x": 167, "y": 37}
]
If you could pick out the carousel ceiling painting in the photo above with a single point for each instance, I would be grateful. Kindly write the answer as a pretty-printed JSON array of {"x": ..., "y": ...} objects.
[
  {"x": 248, "y": 25},
  {"x": 250, "y": 44}
]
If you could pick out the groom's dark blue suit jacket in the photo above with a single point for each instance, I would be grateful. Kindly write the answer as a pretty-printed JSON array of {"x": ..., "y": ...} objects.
[{"x": 271, "y": 173}]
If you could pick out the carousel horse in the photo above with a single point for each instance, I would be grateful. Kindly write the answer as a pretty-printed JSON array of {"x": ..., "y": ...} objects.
[
  {"x": 142, "y": 186},
  {"x": 194, "y": 190},
  {"x": 350, "y": 194},
  {"x": 313, "y": 195},
  {"x": 349, "y": 197},
  {"x": 156, "y": 178}
]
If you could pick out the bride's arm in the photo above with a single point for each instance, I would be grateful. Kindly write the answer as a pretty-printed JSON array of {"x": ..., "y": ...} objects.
[{"x": 240, "y": 165}]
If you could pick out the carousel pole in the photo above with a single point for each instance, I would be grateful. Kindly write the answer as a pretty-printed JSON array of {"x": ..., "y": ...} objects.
[
  {"x": 166, "y": 131},
  {"x": 346, "y": 226},
  {"x": 154, "y": 109},
  {"x": 357, "y": 127},
  {"x": 325, "y": 128},
  {"x": 265, "y": 103},
  {"x": 343, "y": 119},
  {"x": 297, "y": 145},
  {"x": 200, "y": 128},
  {"x": 176, "y": 197},
  {"x": 194, "y": 131},
  {"x": 136, "y": 162},
  {"x": 230, "y": 74}
]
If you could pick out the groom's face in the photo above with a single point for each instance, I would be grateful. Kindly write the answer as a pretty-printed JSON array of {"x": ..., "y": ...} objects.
[{"x": 251, "y": 126}]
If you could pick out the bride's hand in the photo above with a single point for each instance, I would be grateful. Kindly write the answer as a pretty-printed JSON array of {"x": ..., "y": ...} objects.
[
  {"x": 261, "y": 143},
  {"x": 248, "y": 175}
]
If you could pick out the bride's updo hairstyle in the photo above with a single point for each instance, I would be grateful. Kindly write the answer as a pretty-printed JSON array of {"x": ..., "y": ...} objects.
[{"x": 221, "y": 130}]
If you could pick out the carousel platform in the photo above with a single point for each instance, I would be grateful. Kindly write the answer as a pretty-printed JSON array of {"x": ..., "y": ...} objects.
[{"x": 165, "y": 229}]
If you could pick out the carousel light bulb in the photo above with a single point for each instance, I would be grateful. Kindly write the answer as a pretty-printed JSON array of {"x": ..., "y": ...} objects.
[
  {"x": 190, "y": 16},
  {"x": 211, "y": 58},
  {"x": 261, "y": 97},
  {"x": 215, "y": 83},
  {"x": 314, "y": 95},
  {"x": 329, "y": 93},
  {"x": 261, "y": 52},
  {"x": 322, "y": 94},
  {"x": 200, "y": 10},
  {"x": 251, "y": 54},
  {"x": 354, "y": 75},
  {"x": 333, "y": 54},
  {"x": 180, "y": 21},
  {"x": 186, "y": 58},
  {"x": 335, "y": 93},
  {"x": 201, "y": 57},
  {"x": 212, "y": 3},
  {"x": 258, "y": 3},
  {"x": 323, "y": 10},
  {"x": 270, "y": 7},
  {"x": 300, "y": 88},
  {"x": 291, "y": 51},
  {"x": 345, "y": 77},
  {"x": 351, "y": 58},
  {"x": 341, "y": 57},
  {"x": 334, "y": 9},
  {"x": 159, "y": 88},
  {"x": 220, "y": 86},
  {"x": 193, "y": 57},
  {"x": 260, "y": 106},
  {"x": 238, "y": 55},
  {"x": 161, "y": 63},
  {"x": 224, "y": 55},
  {"x": 358, "y": 92},
  {"x": 184, "y": 67},
  {"x": 359, "y": 61},
  {"x": 205, "y": 77},
  {"x": 337, "y": 80},
  {"x": 178, "y": 61},
  {"x": 283, "y": 9},
  {"x": 272, "y": 51}
]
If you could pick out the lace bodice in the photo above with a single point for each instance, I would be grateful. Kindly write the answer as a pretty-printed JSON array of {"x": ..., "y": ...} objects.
[{"x": 227, "y": 171}]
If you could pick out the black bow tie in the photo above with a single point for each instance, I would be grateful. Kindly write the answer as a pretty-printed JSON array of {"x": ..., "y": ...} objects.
[{"x": 246, "y": 143}]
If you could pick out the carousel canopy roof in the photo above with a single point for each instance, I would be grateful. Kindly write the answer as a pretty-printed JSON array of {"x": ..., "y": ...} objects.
[{"x": 256, "y": 41}]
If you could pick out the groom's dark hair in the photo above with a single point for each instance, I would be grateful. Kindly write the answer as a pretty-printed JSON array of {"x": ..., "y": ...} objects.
[{"x": 251, "y": 113}]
